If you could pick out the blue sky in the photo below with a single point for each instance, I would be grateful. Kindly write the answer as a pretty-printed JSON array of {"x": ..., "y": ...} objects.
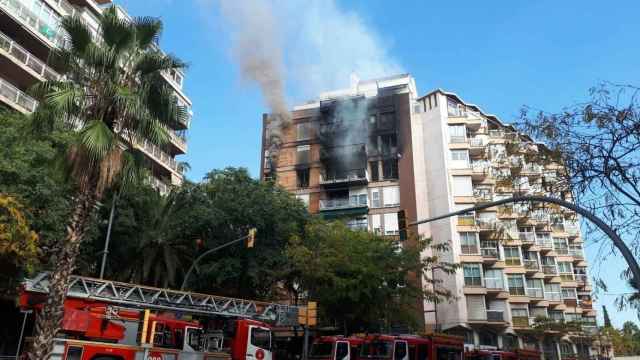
[{"x": 499, "y": 55}]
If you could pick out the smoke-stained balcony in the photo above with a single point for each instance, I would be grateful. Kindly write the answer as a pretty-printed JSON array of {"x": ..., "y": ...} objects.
[
  {"x": 344, "y": 178},
  {"x": 344, "y": 205}
]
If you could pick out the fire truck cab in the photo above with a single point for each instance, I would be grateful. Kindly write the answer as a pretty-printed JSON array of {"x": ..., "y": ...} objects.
[
  {"x": 411, "y": 347},
  {"x": 335, "y": 348}
]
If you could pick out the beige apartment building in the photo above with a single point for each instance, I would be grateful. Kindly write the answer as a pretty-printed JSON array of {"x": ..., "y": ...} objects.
[
  {"x": 376, "y": 150},
  {"x": 30, "y": 29}
]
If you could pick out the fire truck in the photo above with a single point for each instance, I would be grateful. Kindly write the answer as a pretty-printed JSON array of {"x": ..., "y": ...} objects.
[
  {"x": 108, "y": 320},
  {"x": 335, "y": 348},
  {"x": 520, "y": 354}
]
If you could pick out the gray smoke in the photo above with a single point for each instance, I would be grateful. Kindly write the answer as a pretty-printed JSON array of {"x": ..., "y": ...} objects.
[{"x": 257, "y": 48}]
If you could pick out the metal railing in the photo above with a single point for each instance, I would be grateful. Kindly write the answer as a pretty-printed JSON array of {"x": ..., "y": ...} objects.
[
  {"x": 158, "y": 154},
  {"x": 552, "y": 296},
  {"x": 353, "y": 175},
  {"x": 520, "y": 321},
  {"x": 482, "y": 195},
  {"x": 342, "y": 203},
  {"x": 457, "y": 139},
  {"x": 490, "y": 253},
  {"x": 26, "y": 58},
  {"x": 549, "y": 269},
  {"x": 527, "y": 237},
  {"x": 466, "y": 220},
  {"x": 17, "y": 96},
  {"x": 494, "y": 284},
  {"x": 495, "y": 315},
  {"x": 535, "y": 293},
  {"x": 531, "y": 264},
  {"x": 544, "y": 242},
  {"x": 178, "y": 139},
  {"x": 477, "y": 142},
  {"x": 33, "y": 21}
]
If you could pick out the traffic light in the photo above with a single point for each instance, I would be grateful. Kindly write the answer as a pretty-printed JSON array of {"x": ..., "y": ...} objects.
[
  {"x": 308, "y": 315},
  {"x": 251, "y": 238},
  {"x": 402, "y": 225}
]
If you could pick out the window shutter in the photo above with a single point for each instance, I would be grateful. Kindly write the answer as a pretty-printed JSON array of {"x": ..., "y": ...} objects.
[
  {"x": 376, "y": 223},
  {"x": 391, "y": 223},
  {"x": 476, "y": 307},
  {"x": 391, "y": 195},
  {"x": 462, "y": 186}
]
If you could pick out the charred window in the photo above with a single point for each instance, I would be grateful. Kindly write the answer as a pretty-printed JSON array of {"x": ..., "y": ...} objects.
[
  {"x": 390, "y": 169},
  {"x": 303, "y": 154},
  {"x": 386, "y": 121},
  {"x": 302, "y": 176},
  {"x": 375, "y": 175},
  {"x": 389, "y": 144}
]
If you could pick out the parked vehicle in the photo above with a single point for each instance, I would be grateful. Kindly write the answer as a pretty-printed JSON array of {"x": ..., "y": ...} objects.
[
  {"x": 411, "y": 347},
  {"x": 519, "y": 354},
  {"x": 335, "y": 348}
]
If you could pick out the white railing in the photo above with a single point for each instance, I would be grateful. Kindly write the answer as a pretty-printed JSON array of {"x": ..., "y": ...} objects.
[
  {"x": 528, "y": 237},
  {"x": 549, "y": 269},
  {"x": 552, "y": 296},
  {"x": 353, "y": 175},
  {"x": 544, "y": 241},
  {"x": 159, "y": 154},
  {"x": 16, "y": 96},
  {"x": 494, "y": 284},
  {"x": 477, "y": 142},
  {"x": 26, "y": 58},
  {"x": 535, "y": 293},
  {"x": 531, "y": 264},
  {"x": 571, "y": 228},
  {"x": 65, "y": 6},
  {"x": 159, "y": 185},
  {"x": 457, "y": 140},
  {"x": 343, "y": 203},
  {"x": 50, "y": 31},
  {"x": 480, "y": 167}
]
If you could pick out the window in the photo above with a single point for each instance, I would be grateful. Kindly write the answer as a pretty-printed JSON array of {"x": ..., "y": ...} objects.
[
  {"x": 359, "y": 223},
  {"x": 493, "y": 279},
  {"x": 462, "y": 186},
  {"x": 512, "y": 256},
  {"x": 520, "y": 317},
  {"x": 569, "y": 294},
  {"x": 560, "y": 246},
  {"x": 469, "y": 243},
  {"x": 516, "y": 284},
  {"x": 261, "y": 338},
  {"x": 535, "y": 288},
  {"x": 302, "y": 176},
  {"x": 556, "y": 315},
  {"x": 400, "y": 350},
  {"x": 303, "y": 154},
  {"x": 459, "y": 159},
  {"x": 391, "y": 196},
  {"x": 453, "y": 108},
  {"x": 303, "y": 131},
  {"x": 376, "y": 223},
  {"x": 476, "y": 307},
  {"x": 375, "y": 198},
  {"x": 552, "y": 292},
  {"x": 472, "y": 274},
  {"x": 304, "y": 198},
  {"x": 391, "y": 224},
  {"x": 566, "y": 270},
  {"x": 342, "y": 350},
  {"x": 457, "y": 133},
  {"x": 389, "y": 144},
  {"x": 390, "y": 169},
  {"x": 373, "y": 166}
]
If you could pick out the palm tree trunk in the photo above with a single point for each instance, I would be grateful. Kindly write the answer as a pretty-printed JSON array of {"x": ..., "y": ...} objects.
[{"x": 49, "y": 320}]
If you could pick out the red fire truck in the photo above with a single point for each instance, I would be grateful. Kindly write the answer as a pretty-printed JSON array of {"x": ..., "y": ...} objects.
[
  {"x": 519, "y": 354},
  {"x": 336, "y": 348},
  {"x": 106, "y": 320}
]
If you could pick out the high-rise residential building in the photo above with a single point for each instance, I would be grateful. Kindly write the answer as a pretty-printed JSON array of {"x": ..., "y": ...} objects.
[
  {"x": 30, "y": 30},
  {"x": 376, "y": 150}
]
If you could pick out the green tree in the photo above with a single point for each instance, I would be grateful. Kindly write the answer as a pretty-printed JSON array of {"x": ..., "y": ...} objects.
[
  {"x": 607, "y": 320},
  {"x": 112, "y": 96},
  {"x": 360, "y": 280}
]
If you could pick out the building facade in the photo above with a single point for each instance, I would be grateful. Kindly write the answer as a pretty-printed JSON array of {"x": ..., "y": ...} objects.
[
  {"x": 366, "y": 153},
  {"x": 30, "y": 29}
]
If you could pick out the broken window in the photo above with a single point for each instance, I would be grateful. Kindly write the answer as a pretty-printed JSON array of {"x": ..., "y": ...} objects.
[
  {"x": 303, "y": 154},
  {"x": 389, "y": 144},
  {"x": 386, "y": 121},
  {"x": 375, "y": 176},
  {"x": 302, "y": 176},
  {"x": 390, "y": 169}
]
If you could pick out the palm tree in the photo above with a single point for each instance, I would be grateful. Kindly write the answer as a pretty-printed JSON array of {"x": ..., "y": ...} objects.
[{"x": 111, "y": 97}]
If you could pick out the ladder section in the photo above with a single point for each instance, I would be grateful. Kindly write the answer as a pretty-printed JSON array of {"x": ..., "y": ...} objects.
[{"x": 140, "y": 296}]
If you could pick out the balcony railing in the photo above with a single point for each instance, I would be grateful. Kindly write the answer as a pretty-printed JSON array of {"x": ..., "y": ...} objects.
[
  {"x": 159, "y": 154},
  {"x": 24, "y": 57},
  {"x": 494, "y": 284},
  {"x": 520, "y": 321},
  {"x": 531, "y": 265},
  {"x": 342, "y": 203},
  {"x": 16, "y": 96},
  {"x": 549, "y": 269},
  {"x": 487, "y": 224},
  {"x": 480, "y": 167},
  {"x": 571, "y": 228},
  {"x": 466, "y": 220},
  {"x": 458, "y": 140},
  {"x": 482, "y": 196},
  {"x": 582, "y": 278},
  {"x": 527, "y": 237},
  {"x": 577, "y": 253},
  {"x": 477, "y": 142},
  {"x": 495, "y": 315},
  {"x": 159, "y": 185},
  {"x": 491, "y": 252},
  {"x": 535, "y": 293},
  {"x": 552, "y": 296},
  {"x": 544, "y": 242},
  {"x": 50, "y": 31},
  {"x": 496, "y": 134},
  {"x": 358, "y": 175}
]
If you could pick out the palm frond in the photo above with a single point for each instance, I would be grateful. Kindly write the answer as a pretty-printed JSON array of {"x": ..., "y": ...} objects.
[
  {"x": 101, "y": 58},
  {"x": 97, "y": 139},
  {"x": 148, "y": 30},
  {"x": 155, "y": 61},
  {"x": 117, "y": 33},
  {"x": 134, "y": 169},
  {"x": 78, "y": 33}
]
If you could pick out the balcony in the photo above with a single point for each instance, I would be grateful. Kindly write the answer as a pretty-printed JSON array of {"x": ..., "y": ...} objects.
[
  {"x": 22, "y": 56},
  {"x": 16, "y": 98},
  {"x": 577, "y": 253},
  {"x": 531, "y": 170},
  {"x": 535, "y": 293},
  {"x": 159, "y": 155},
  {"x": 466, "y": 220},
  {"x": 491, "y": 253},
  {"x": 353, "y": 202},
  {"x": 520, "y": 321},
  {"x": 544, "y": 241},
  {"x": 582, "y": 279},
  {"x": 352, "y": 177},
  {"x": 495, "y": 316},
  {"x": 159, "y": 185},
  {"x": 477, "y": 142},
  {"x": 531, "y": 265},
  {"x": 552, "y": 296},
  {"x": 482, "y": 195},
  {"x": 527, "y": 237},
  {"x": 487, "y": 224},
  {"x": 550, "y": 270},
  {"x": 458, "y": 140},
  {"x": 572, "y": 228},
  {"x": 32, "y": 21},
  {"x": 586, "y": 304},
  {"x": 480, "y": 169}
]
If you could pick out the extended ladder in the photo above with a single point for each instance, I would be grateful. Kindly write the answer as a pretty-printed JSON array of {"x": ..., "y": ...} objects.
[{"x": 140, "y": 296}]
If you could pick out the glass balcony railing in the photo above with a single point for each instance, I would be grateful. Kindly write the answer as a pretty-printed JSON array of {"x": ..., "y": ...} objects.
[
  {"x": 520, "y": 321},
  {"x": 357, "y": 175},
  {"x": 47, "y": 27},
  {"x": 495, "y": 315},
  {"x": 552, "y": 296},
  {"x": 466, "y": 220},
  {"x": 535, "y": 293},
  {"x": 16, "y": 96},
  {"x": 527, "y": 237},
  {"x": 343, "y": 203},
  {"x": 24, "y": 57},
  {"x": 494, "y": 284}
]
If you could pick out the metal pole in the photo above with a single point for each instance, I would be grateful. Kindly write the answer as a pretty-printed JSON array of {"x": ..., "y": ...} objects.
[
  {"x": 305, "y": 344},
  {"x": 105, "y": 252},
  {"x": 24, "y": 323},
  {"x": 435, "y": 303},
  {"x": 615, "y": 238},
  {"x": 195, "y": 262}
]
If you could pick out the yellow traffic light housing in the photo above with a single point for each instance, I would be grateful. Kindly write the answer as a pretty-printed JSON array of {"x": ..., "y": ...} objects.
[{"x": 251, "y": 238}]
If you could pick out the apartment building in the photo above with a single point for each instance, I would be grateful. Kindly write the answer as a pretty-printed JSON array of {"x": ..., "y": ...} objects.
[
  {"x": 376, "y": 150},
  {"x": 30, "y": 29}
]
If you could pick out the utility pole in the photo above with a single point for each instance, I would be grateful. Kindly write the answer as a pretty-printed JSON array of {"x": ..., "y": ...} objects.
[{"x": 105, "y": 252}]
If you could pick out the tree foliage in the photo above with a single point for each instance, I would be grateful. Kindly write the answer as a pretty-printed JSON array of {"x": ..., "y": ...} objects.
[
  {"x": 361, "y": 281},
  {"x": 626, "y": 341}
]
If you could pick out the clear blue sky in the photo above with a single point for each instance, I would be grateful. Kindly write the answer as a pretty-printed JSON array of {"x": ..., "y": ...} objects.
[{"x": 497, "y": 54}]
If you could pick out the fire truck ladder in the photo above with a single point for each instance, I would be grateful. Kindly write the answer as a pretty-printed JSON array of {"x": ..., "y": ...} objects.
[{"x": 166, "y": 299}]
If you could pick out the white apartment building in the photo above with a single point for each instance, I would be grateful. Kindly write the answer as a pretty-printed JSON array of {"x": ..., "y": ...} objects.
[{"x": 30, "y": 29}]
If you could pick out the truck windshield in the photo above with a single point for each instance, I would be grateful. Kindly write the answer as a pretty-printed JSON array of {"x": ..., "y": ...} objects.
[
  {"x": 445, "y": 353},
  {"x": 321, "y": 350},
  {"x": 261, "y": 338},
  {"x": 376, "y": 349}
]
